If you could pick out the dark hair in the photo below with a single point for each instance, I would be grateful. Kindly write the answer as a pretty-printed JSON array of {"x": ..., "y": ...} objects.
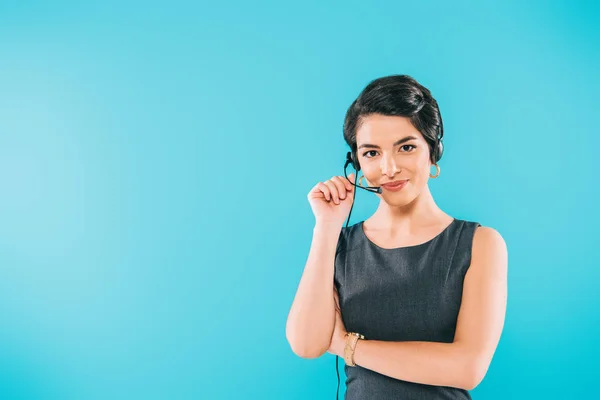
[{"x": 397, "y": 95}]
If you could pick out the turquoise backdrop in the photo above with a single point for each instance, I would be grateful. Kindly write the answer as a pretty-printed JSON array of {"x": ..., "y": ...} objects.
[{"x": 155, "y": 159}]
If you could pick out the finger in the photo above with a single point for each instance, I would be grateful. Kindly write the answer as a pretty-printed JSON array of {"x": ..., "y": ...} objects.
[
  {"x": 325, "y": 189},
  {"x": 349, "y": 185},
  {"x": 333, "y": 191},
  {"x": 349, "y": 180},
  {"x": 341, "y": 187},
  {"x": 315, "y": 193}
]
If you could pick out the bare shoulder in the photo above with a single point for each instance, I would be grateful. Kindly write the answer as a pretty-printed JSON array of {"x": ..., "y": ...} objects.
[
  {"x": 486, "y": 236},
  {"x": 489, "y": 247}
]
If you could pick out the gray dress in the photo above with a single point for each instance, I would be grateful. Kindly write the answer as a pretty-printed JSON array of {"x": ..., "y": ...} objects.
[{"x": 410, "y": 293}]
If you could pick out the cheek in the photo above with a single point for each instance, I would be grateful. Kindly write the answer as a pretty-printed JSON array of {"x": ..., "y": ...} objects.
[
  {"x": 371, "y": 174},
  {"x": 418, "y": 179}
]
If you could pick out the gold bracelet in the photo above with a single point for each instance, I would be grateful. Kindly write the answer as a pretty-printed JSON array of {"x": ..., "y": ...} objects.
[{"x": 351, "y": 340}]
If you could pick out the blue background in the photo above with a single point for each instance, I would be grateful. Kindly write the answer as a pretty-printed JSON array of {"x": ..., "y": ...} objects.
[{"x": 155, "y": 160}]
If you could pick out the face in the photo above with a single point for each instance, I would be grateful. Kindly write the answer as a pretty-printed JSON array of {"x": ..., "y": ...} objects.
[{"x": 390, "y": 148}]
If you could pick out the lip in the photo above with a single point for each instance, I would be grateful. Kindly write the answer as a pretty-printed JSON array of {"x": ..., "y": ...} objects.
[{"x": 395, "y": 186}]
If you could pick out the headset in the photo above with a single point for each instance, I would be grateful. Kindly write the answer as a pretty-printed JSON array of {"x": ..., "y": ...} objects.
[
  {"x": 351, "y": 159},
  {"x": 437, "y": 152}
]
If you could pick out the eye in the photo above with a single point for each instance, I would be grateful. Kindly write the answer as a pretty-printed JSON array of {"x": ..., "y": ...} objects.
[{"x": 406, "y": 145}]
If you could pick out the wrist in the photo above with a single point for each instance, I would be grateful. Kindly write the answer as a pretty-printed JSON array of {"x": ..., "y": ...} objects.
[
  {"x": 350, "y": 347},
  {"x": 340, "y": 344},
  {"x": 328, "y": 226}
]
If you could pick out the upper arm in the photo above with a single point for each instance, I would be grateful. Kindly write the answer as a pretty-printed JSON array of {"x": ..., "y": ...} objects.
[{"x": 483, "y": 307}]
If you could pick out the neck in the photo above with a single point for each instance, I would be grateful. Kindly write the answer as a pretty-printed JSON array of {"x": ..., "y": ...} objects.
[{"x": 421, "y": 212}]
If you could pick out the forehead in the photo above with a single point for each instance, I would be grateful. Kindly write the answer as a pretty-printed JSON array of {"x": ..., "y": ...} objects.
[{"x": 385, "y": 129}]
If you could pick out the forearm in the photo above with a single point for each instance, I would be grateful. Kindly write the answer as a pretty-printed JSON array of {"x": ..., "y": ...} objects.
[
  {"x": 430, "y": 363},
  {"x": 311, "y": 319}
]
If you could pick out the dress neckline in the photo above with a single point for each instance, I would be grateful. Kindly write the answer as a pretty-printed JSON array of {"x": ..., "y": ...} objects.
[{"x": 362, "y": 231}]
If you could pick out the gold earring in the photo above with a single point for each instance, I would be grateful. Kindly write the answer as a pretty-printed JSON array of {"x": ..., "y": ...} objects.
[
  {"x": 360, "y": 181},
  {"x": 438, "y": 172}
]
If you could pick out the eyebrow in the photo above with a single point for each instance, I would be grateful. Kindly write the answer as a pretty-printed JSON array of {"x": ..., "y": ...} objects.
[{"x": 374, "y": 146}]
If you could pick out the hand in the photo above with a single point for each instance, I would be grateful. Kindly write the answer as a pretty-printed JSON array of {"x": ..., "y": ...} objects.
[
  {"x": 331, "y": 200},
  {"x": 338, "y": 339}
]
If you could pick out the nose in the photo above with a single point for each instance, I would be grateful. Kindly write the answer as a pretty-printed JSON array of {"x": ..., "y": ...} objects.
[{"x": 388, "y": 166}]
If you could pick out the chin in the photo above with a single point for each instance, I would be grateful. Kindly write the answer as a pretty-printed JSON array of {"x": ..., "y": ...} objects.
[
  {"x": 395, "y": 199},
  {"x": 399, "y": 198}
]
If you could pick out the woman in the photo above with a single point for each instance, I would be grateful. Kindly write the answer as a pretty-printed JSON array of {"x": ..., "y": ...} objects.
[{"x": 422, "y": 294}]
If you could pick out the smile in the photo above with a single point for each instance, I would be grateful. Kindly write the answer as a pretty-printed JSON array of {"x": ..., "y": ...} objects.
[{"x": 395, "y": 188}]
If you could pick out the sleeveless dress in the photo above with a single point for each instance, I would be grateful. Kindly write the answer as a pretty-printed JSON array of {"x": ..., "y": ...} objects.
[{"x": 410, "y": 293}]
